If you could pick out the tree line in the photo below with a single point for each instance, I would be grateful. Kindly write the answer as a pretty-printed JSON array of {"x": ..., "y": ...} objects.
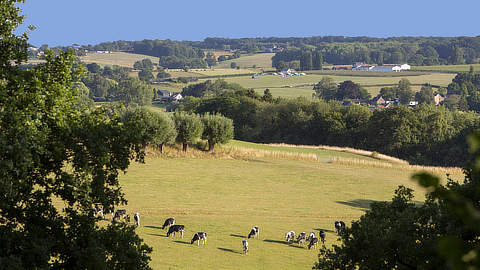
[{"x": 426, "y": 134}]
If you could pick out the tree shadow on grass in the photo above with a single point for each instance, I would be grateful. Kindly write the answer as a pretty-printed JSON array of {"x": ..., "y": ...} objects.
[
  {"x": 325, "y": 230},
  {"x": 238, "y": 235},
  {"x": 282, "y": 242},
  {"x": 229, "y": 250},
  {"x": 154, "y": 227},
  {"x": 358, "y": 203},
  {"x": 154, "y": 234},
  {"x": 182, "y": 242}
]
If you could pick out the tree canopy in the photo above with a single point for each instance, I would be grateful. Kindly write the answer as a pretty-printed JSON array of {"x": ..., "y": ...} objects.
[{"x": 51, "y": 150}]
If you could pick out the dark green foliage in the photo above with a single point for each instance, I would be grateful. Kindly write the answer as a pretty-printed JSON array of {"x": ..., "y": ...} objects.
[
  {"x": 233, "y": 65},
  {"x": 216, "y": 129},
  {"x": 267, "y": 96},
  {"x": 56, "y": 162},
  {"x": 94, "y": 68},
  {"x": 306, "y": 60},
  {"x": 155, "y": 129},
  {"x": 348, "y": 90},
  {"x": 405, "y": 92},
  {"x": 189, "y": 128},
  {"x": 100, "y": 87},
  {"x": 162, "y": 74},
  {"x": 317, "y": 60},
  {"x": 144, "y": 64},
  {"x": 209, "y": 88},
  {"x": 425, "y": 95},
  {"x": 133, "y": 91},
  {"x": 146, "y": 75},
  {"x": 326, "y": 88}
]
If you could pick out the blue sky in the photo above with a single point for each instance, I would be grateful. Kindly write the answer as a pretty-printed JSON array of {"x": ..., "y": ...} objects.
[{"x": 66, "y": 22}]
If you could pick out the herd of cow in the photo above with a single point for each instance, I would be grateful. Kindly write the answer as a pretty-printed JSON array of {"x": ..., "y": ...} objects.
[{"x": 202, "y": 236}]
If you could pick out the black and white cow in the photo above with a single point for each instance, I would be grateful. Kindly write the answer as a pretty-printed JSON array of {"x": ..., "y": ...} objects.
[
  {"x": 245, "y": 246},
  {"x": 313, "y": 243},
  {"x": 97, "y": 211},
  {"x": 168, "y": 222},
  {"x": 120, "y": 213},
  {"x": 200, "y": 236},
  {"x": 311, "y": 236},
  {"x": 322, "y": 235},
  {"x": 339, "y": 226},
  {"x": 290, "y": 236},
  {"x": 136, "y": 217},
  {"x": 302, "y": 237},
  {"x": 254, "y": 232},
  {"x": 176, "y": 228}
]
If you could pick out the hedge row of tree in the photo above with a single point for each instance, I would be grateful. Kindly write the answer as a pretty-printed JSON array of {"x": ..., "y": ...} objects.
[
  {"x": 427, "y": 134},
  {"x": 420, "y": 52},
  {"x": 158, "y": 129}
]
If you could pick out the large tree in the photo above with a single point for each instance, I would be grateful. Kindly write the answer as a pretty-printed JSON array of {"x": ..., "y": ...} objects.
[
  {"x": 189, "y": 128},
  {"x": 134, "y": 91},
  {"x": 326, "y": 88},
  {"x": 216, "y": 129},
  {"x": 56, "y": 162}
]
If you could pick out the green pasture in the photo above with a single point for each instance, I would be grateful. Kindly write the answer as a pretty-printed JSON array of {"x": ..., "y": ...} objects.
[
  {"x": 260, "y": 60},
  {"x": 447, "y": 68},
  {"x": 116, "y": 58},
  {"x": 226, "y": 197}
]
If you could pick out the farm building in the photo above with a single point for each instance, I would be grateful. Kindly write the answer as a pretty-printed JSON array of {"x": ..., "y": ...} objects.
[{"x": 391, "y": 68}]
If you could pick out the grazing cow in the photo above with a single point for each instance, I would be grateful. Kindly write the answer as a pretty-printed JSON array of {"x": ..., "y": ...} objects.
[
  {"x": 168, "y": 222},
  {"x": 313, "y": 243},
  {"x": 339, "y": 226},
  {"x": 97, "y": 211},
  {"x": 290, "y": 236},
  {"x": 245, "y": 246},
  {"x": 311, "y": 236},
  {"x": 322, "y": 235},
  {"x": 136, "y": 217},
  {"x": 302, "y": 237},
  {"x": 121, "y": 213},
  {"x": 254, "y": 232},
  {"x": 200, "y": 236},
  {"x": 176, "y": 228}
]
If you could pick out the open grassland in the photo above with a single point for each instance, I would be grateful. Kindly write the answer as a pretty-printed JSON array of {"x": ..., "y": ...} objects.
[
  {"x": 226, "y": 71},
  {"x": 447, "y": 68},
  {"x": 227, "y": 193},
  {"x": 116, "y": 58},
  {"x": 260, "y": 60}
]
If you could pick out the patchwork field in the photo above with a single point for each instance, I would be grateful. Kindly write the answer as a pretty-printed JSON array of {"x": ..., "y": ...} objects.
[
  {"x": 116, "y": 58},
  {"x": 260, "y": 60},
  {"x": 448, "y": 68},
  {"x": 226, "y": 194}
]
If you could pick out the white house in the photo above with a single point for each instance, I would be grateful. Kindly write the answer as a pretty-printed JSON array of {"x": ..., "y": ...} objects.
[{"x": 176, "y": 97}]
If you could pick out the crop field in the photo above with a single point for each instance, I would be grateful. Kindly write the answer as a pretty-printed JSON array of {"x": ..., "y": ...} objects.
[
  {"x": 447, "y": 68},
  {"x": 260, "y": 60},
  {"x": 226, "y": 196},
  {"x": 116, "y": 58}
]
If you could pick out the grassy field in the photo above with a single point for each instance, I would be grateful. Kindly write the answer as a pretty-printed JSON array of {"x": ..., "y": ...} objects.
[
  {"x": 261, "y": 60},
  {"x": 226, "y": 196},
  {"x": 293, "y": 92},
  {"x": 116, "y": 58},
  {"x": 447, "y": 68}
]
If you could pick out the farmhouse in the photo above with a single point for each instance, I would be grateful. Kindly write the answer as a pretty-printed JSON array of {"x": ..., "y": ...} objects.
[
  {"x": 438, "y": 99},
  {"x": 391, "y": 68},
  {"x": 176, "y": 97},
  {"x": 163, "y": 93}
]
